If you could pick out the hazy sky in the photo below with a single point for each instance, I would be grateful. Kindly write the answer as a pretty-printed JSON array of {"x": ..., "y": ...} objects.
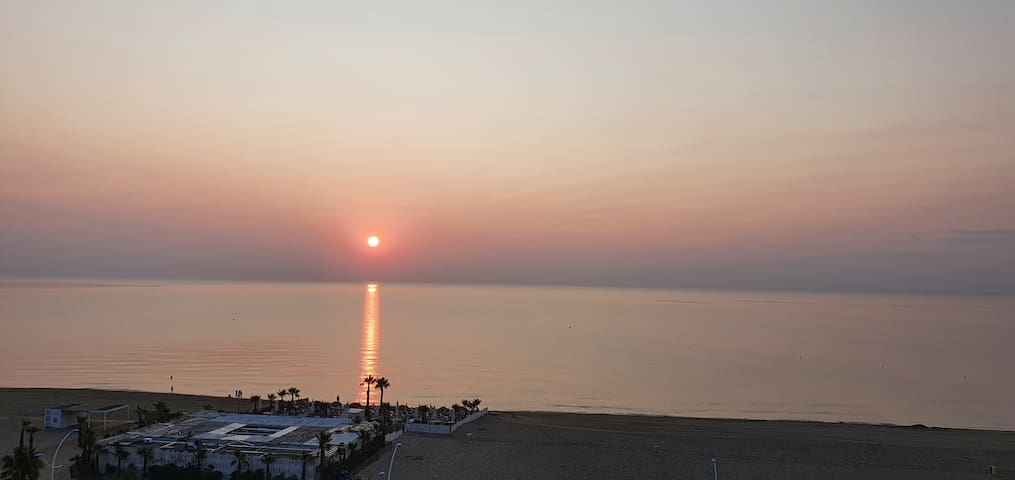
[{"x": 851, "y": 145}]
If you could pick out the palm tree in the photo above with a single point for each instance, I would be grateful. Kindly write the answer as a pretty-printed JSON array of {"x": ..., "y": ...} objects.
[
  {"x": 199, "y": 457},
  {"x": 305, "y": 458},
  {"x": 146, "y": 456},
  {"x": 271, "y": 398},
  {"x": 323, "y": 438},
  {"x": 239, "y": 459},
  {"x": 31, "y": 436},
  {"x": 162, "y": 411},
  {"x": 423, "y": 412},
  {"x": 381, "y": 384},
  {"x": 293, "y": 392},
  {"x": 11, "y": 467},
  {"x": 268, "y": 460},
  {"x": 368, "y": 381},
  {"x": 24, "y": 463},
  {"x": 121, "y": 455},
  {"x": 100, "y": 452},
  {"x": 142, "y": 415},
  {"x": 255, "y": 399},
  {"x": 88, "y": 457},
  {"x": 282, "y": 393},
  {"x": 475, "y": 405}
]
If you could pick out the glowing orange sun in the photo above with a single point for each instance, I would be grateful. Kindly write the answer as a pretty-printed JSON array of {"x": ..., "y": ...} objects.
[{"x": 373, "y": 241}]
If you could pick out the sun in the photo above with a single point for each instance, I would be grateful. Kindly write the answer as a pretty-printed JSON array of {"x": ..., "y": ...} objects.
[{"x": 373, "y": 241}]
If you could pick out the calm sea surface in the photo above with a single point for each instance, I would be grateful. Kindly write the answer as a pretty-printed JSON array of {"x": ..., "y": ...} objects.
[{"x": 935, "y": 360}]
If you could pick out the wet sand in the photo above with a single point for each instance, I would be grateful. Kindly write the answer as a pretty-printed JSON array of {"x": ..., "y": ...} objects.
[{"x": 544, "y": 445}]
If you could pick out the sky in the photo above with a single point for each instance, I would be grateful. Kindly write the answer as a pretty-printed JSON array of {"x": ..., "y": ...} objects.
[{"x": 845, "y": 146}]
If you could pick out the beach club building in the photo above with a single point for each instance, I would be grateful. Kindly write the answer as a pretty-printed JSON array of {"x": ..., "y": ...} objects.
[
  {"x": 66, "y": 416},
  {"x": 290, "y": 441}
]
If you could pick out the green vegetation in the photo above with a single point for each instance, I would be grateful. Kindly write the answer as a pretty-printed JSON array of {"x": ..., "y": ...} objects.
[
  {"x": 381, "y": 384},
  {"x": 121, "y": 455},
  {"x": 239, "y": 460},
  {"x": 368, "y": 381},
  {"x": 161, "y": 414},
  {"x": 23, "y": 463},
  {"x": 322, "y": 441},
  {"x": 146, "y": 457},
  {"x": 86, "y": 462},
  {"x": 268, "y": 459}
]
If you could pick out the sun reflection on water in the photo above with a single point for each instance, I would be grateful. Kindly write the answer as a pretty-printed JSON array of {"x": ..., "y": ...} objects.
[{"x": 370, "y": 340}]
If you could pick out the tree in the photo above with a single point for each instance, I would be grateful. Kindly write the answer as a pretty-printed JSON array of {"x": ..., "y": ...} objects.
[
  {"x": 121, "y": 455},
  {"x": 32, "y": 430},
  {"x": 381, "y": 384},
  {"x": 146, "y": 456},
  {"x": 199, "y": 457},
  {"x": 460, "y": 411},
  {"x": 423, "y": 412},
  {"x": 282, "y": 393},
  {"x": 368, "y": 381},
  {"x": 323, "y": 438},
  {"x": 268, "y": 460},
  {"x": 23, "y": 463},
  {"x": 142, "y": 415},
  {"x": 239, "y": 459},
  {"x": 271, "y": 399},
  {"x": 475, "y": 405},
  {"x": 255, "y": 400},
  {"x": 305, "y": 458},
  {"x": 162, "y": 412},
  {"x": 86, "y": 461}
]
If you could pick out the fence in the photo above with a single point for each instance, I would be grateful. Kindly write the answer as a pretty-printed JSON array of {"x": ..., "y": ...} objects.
[{"x": 444, "y": 429}]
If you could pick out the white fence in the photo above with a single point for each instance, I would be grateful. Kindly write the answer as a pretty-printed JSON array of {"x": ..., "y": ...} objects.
[
  {"x": 443, "y": 429},
  {"x": 391, "y": 437}
]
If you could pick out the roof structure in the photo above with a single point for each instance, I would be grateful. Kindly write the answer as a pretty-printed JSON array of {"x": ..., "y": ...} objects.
[{"x": 247, "y": 432}]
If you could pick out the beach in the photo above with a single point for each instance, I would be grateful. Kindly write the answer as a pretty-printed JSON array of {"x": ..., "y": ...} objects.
[
  {"x": 543, "y": 445},
  {"x": 564, "y": 445}
]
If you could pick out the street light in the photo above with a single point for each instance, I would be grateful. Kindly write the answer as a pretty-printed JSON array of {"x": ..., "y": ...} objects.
[
  {"x": 392, "y": 462},
  {"x": 52, "y": 468}
]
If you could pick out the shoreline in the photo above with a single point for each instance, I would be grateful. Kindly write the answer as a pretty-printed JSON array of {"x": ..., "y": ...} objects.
[
  {"x": 228, "y": 403},
  {"x": 551, "y": 445}
]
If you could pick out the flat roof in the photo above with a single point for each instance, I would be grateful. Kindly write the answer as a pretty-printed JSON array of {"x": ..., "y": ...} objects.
[
  {"x": 74, "y": 407},
  {"x": 253, "y": 419},
  {"x": 212, "y": 430},
  {"x": 109, "y": 408}
]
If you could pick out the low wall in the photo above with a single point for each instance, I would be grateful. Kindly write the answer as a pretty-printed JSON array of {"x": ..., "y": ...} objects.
[
  {"x": 391, "y": 437},
  {"x": 443, "y": 429}
]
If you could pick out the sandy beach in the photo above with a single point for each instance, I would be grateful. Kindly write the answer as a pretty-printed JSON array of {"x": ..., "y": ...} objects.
[
  {"x": 541, "y": 445},
  {"x": 538, "y": 445}
]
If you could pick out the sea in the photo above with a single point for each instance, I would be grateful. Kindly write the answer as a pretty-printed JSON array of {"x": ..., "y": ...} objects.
[{"x": 900, "y": 359}]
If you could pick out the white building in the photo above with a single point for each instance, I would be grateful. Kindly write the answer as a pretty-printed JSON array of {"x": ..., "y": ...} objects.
[
  {"x": 65, "y": 416},
  {"x": 220, "y": 436}
]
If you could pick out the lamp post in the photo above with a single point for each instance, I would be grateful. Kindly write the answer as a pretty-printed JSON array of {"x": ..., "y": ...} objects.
[
  {"x": 392, "y": 462},
  {"x": 52, "y": 467}
]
